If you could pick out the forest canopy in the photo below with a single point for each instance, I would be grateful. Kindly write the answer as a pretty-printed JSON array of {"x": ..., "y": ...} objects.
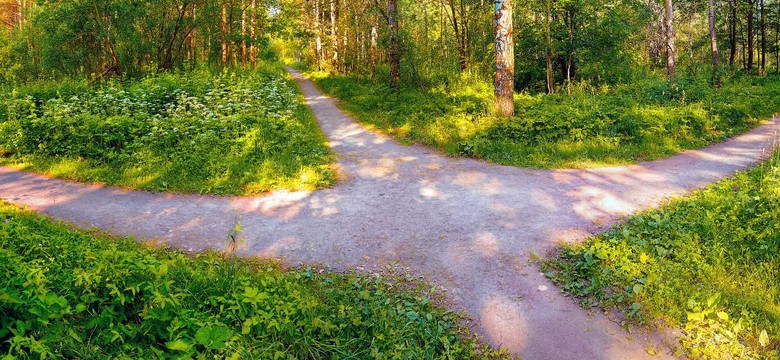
[{"x": 556, "y": 43}]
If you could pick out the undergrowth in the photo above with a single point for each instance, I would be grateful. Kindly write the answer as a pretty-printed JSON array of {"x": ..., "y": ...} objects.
[
  {"x": 71, "y": 294},
  {"x": 198, "y": 132},
  {"x": 708, "y": 264},
  {"x": 594, "y": 126}
]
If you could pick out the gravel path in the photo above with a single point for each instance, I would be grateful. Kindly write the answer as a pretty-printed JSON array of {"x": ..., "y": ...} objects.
[{"x": 464, "y": 224}]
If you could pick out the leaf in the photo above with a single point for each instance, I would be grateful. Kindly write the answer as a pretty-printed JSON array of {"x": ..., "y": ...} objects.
[
  {"x": 713, "y": 300},
  {"x": 180, "y": 345},
  {"x": 723, "y": 316},
  {"x": 643, "y": 258},
  {"x": 213, "y": 337},
  {"x": 763, "y": 339},
  {"x": 637, "y": 288}
]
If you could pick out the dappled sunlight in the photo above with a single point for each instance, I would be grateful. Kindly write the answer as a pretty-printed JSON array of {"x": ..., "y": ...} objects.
[
  {"x": 466, "y": 226},
  {"x": 486, "y": 244},
  {"x": 479, "y": 181},
  {"x": 429, "y": 191},
  {"x": 504, "y": 323},
  {"x": 598, "y": 205},
  {"x": 544, "y": 199},
  {"x": 279, "y": 248},
  {"x": 324, "y": 205},
  {"x": 377, "y": 168},
  {"x": 282, "y": 205}
]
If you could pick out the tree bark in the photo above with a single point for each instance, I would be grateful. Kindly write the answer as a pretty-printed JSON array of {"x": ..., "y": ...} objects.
[
  {"x": 763, "y": 37},
  {"x": 460, "y": 33},
  {"x": 318, "y": 35},
  {"x": 252, "y": 33},
  {"x": 670, "y": 54},
  {"x": 505, "y": 59},
  {"x": 750, "y": 47},
  {"x": 395, "y": 54},
  {"x": 714, "y": 46},
  {"x": 334, "y": 39},
  {"x": 223, "y": 26},
  {"x": 243, "y": 35},
  {"x": 549, "y": 49},
  {"x": 733, "y": 32},
  {"x": 374, "y": 55}
]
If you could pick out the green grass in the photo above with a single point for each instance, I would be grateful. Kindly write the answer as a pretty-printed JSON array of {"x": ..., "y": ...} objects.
[
  {"x": 199, "y": 132},
  {"x": 644, "y": 120},
  {"x": 72, "y": 294},
  {"x": 708, "y": 264}
]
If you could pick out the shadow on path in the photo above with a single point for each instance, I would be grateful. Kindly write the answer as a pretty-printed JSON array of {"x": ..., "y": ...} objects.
[{"x": 464, "y": 224}]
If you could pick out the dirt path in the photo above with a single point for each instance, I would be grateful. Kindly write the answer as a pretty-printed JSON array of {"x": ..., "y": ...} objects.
[{"x": 468, "y": 225}]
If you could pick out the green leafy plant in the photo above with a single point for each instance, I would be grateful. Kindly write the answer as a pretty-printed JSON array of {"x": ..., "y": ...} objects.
[
  {"x": 198, "y": 132},
  {"x": 706, "y": 264},
  {"x": 70, "y": 294},
  {"x": 593, "y": 126}
]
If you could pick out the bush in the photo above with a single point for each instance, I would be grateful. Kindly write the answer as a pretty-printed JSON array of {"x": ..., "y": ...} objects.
[
  {"x": 647, "y": 119},
  {"x": 192, "y": 132}
]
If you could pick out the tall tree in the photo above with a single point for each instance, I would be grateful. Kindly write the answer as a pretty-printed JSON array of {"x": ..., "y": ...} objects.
[
  {"x": 763, "y": 36},
  {"x": 395, "y": 50},
  {"x": 750, "y": 36},
  {"x": 334, "y": 17},
  {"x": 732, "y": 32},
  {"x": 252, "y": 32},
  {"x": 548, "y": 54},
  {"x": 714, "y": 45},
  {"x": 670, "y": 53},
  {"x": 505, "y": 58}
]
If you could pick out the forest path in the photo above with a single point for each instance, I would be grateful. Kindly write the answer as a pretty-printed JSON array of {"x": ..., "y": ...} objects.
[{"x": 468, "y": 226}]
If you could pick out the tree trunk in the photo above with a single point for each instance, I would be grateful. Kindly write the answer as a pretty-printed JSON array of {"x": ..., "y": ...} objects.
[
  {"x": 690, "y": 39},
  {"x": 252, "y": 33},
  {"x": 243, "y": 35},
  {"x": 318, "y": 35},
  {"x": 334, "y": 13},
  {"x": 670, "y": 54},
  {"x": 460, "y": 35},
  {"x": 763, "y": 37},
  {"x": 395, "y": 55},
  {"x": 714, "y": 46},
  {"x": 374, "y": 55},
  {"x": 733, "y": 32},
  {"x": 225, "y": 40},
  {"x": 549, "y": 49},
  {"x": 750, "y": 47},
  {"x": 505, "y": 59}
]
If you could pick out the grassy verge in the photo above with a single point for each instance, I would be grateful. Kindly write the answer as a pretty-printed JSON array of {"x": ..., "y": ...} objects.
[
  {"x": 199, "y": 132},
  {"x": 591, "y": 127},
  {"x": 70, "y": 294},
  {"x": 708, "y": 264}
]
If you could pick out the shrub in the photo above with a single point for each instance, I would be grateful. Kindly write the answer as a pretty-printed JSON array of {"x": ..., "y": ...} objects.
[{"x": 192, "y": 132}]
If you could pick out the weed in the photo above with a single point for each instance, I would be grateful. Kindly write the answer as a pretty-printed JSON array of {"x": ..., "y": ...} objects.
[
  {"x": 224, "y": 133},
  {"x": 708, "y": 264},
  {"x": 68, "y": 294},
  {"x": 644, "y": 120}
]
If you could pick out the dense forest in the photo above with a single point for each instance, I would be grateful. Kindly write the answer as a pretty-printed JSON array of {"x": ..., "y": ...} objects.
[{"x": 556, "y": 43}]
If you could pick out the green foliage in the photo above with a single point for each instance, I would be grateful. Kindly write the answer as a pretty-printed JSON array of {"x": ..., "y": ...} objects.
[
  {"x": 229, "y": 133},
  {"x": 593, "y": 126},
  {"x": 68, "y": 294},
  {"x": 708, "y": 264}
]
